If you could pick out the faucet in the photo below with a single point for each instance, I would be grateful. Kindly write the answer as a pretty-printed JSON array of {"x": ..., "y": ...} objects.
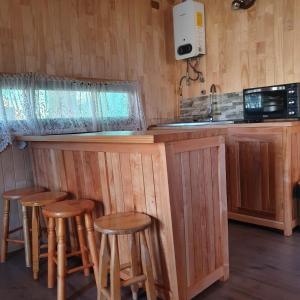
[{"x": 210, "y": 110}]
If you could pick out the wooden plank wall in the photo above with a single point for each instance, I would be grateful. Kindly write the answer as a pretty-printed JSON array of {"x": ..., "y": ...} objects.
[
  {"x": 248, "y": 48},
  {"x": 106, "y": 39},
  {"x": 15, "y": 172},
  {"x": 127, "y": 39}
]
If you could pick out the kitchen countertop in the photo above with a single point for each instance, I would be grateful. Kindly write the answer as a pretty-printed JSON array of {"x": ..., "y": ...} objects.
[{"x": 150, "y": 136}]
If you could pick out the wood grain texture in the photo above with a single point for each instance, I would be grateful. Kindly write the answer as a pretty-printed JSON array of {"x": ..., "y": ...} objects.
[
  {"x": 117, "y": 39},
  {"x": 262, "y": 163},
  {"x": 15, "y": 172},
  {"x": 122, "y": 223},
  {"x": 249, "y": 48},
  {"x": 262, "y": 169},
  {"x": 118, "y": 182},
  {"x": 255, "y": 166},
  {"x": 141, "y": 178},
  {"x": 154, "y": 135},
  {"x": 199, "y": 212}
]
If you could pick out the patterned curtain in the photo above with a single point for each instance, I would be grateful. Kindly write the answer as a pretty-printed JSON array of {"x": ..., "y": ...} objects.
[{"x": 32, "y": 104}]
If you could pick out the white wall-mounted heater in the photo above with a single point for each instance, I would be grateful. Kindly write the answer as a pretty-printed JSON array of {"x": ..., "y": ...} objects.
[{"x": 189, "y": 29}]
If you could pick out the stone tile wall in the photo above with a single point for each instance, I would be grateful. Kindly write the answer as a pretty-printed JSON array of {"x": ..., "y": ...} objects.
[{"x": 225, "y": 107}]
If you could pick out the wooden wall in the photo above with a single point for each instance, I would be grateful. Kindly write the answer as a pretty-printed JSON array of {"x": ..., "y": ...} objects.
[
  {"x": 15, "y": 172},
  {"x": 106, "y": 39},
  {"x": 249, "y": 48},
  {"x": 127, "y": 39}
]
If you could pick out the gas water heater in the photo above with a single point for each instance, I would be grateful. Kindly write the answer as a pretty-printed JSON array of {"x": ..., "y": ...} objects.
[{"x": 189, "y": 29}]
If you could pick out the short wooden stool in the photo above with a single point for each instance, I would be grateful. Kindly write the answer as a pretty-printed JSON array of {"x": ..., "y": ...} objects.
[
  {"x": 37, "y": 201},
  {"x": 124, "y": 224},
  {"x": 16, "y": 195},
  {"x": 59, "y": 212}
]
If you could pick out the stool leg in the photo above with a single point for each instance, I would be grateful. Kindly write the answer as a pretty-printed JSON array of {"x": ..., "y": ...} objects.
[
  {"x": 26, "y": 236},
  {"x": 147, "y": 268},
  {"x": 61, "y": 258},
  {"x": 115, "y": 282},
  {"x": 5, "y": 229},
  {"x": 82, "y": 245},
  {"x": 51, "y": 252},
  {"x": 103, "y": 266},
  {"x": 72, "y": 233},
  {"x": 134, "y": 265},
  {"x": 44, "y": 234},
  {"x": 92, "y": 244},
  {"x": 35, "y": 241}
]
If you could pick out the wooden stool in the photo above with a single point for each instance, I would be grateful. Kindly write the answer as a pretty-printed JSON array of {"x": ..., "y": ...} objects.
[
  {"x": 121, "y": 224},
  {"x": 16, "y": 195},
  {"x": 59, "y": 212},
  {"x": 36, "y": 201}
]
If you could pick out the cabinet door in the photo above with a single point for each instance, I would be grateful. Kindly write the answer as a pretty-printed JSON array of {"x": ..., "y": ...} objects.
[{"x": 254, "y": 170}]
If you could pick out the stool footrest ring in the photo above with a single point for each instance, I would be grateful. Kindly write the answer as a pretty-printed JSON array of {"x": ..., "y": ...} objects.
[
  {"x": 15, "y": 241},
  {"x": 133, "y": 280},
  {"x": 106, "y": 293},
  {"x": 15, "y": 230},
  {"x": 76, "y": 269}
]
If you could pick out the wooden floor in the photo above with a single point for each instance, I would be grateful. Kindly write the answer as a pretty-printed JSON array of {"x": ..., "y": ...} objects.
[{"x": 264, "y": 265}]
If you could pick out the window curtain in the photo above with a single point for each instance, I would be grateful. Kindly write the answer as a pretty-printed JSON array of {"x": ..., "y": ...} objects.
[{"x": 32, "y": 104}]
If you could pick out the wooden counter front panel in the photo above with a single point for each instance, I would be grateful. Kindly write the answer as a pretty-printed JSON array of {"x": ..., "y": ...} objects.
[
  {"x": 132, "y": 179},
  {"x": 74, "y": 171},
  {"x": 130, "y": 182},
  {"x": 181, "y": 184},
  {"x": 199, "y": 213}
]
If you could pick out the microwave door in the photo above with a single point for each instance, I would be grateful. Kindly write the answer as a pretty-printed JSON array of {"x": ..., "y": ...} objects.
[{"x": 274, "y": 104}]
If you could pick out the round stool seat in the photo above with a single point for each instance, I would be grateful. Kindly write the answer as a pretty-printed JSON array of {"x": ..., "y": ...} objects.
[
  {"x": 122, "y": 223},
  {"x": 42, "y": 199},
  {"x": 63, "y": 209},
  {"x": 17, "y": 194},
  {"x": 86, "y": 204}
]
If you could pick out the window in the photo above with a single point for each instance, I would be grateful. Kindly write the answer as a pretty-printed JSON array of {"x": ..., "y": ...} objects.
[
  {"x": 117, "y": 105},
  {"x": 37, "y": 104},
  {"x": 53, "y": 104}
]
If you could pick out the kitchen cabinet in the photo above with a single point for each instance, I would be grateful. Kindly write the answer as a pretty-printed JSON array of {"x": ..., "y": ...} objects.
[
  {"x": 262, "y": 168},
  {"x": 255, "y": 184}
]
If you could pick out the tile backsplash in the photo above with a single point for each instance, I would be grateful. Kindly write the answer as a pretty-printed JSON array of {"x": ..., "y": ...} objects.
[{"x": 225, "y": 107}]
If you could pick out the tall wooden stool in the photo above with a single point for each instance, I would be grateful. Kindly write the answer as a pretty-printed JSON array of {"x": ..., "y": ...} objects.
[
  {"x": 37, "y": 201},
  {"x": 57, "y": 213},
  {"x": 124, "y": 224},
  {"x": 16, "y": 195}
]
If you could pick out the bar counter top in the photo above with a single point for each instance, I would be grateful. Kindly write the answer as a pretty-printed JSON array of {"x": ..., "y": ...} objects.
[{"x": 162, "y": 135}]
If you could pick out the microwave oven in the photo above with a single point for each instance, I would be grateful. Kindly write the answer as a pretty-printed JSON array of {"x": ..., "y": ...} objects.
[{"x": 272, "y": 102}]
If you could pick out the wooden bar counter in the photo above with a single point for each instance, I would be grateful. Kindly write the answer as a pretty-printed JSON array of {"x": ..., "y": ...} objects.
[{"x": 177, "y": 177}]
